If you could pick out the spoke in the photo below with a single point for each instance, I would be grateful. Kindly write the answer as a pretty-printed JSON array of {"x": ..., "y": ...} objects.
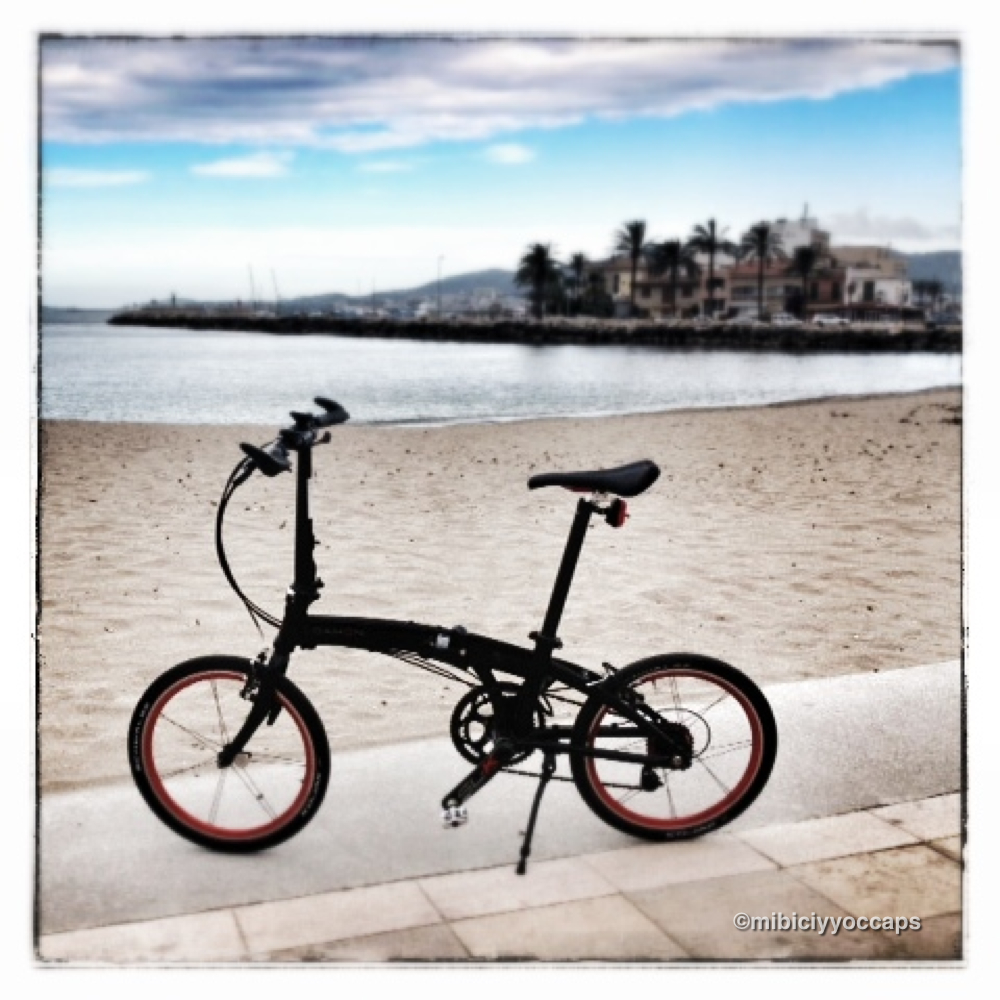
[
  {"x": 182, "y": 770},
  {"x": 277, "y": 757},
  {"x": 676, "y": 696},
  {"x": 217, "y": 798},
  {"x": 218, "y": 709},
  {"x": 252, "y": 788},
  {"x": 670, "y": 796},
  {"x": 722, "y": 697},
  {"x": 729, "y": 748},
  {"x": 204, "y": 740},
  {"x": 715, "y": 777},
  {"x": 631, "y": 794}
]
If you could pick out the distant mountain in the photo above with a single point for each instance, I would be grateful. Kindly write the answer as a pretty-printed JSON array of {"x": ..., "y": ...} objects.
[
  {"x": 945, "y": 266},
  {"x": 495, "y": 279},
  {"x": 56, "y": 314}
]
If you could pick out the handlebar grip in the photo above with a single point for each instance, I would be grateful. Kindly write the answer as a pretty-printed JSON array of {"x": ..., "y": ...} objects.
[
  {"x": 335, "y": 413},
  {"x": 270, "y": 460}
]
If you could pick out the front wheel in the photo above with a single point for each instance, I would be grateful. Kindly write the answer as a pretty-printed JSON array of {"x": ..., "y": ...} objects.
[
  {"x": 714, "y": 760},
  {"x": 269, "y": 791}
]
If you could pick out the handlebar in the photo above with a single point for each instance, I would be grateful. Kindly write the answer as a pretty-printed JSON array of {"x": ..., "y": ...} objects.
[{"x": 273, "y": 458}]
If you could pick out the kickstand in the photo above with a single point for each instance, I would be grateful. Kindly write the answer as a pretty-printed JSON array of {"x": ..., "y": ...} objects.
[{"x": 548, "y": 768}]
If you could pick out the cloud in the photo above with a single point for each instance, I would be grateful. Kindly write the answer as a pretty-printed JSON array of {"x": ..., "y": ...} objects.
[
  {"x": 68, "y": 177},
  {"x": 385, "y": 167},
  {"x": 861, "y": 225},
  {"x": 510, "y": 154},
  {"x": 363, "y": 95},
  {"x": 253, "y": 165}
]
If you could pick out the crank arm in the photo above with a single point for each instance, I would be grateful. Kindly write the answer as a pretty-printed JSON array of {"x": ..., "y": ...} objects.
[{"x": 484, "y": 772}]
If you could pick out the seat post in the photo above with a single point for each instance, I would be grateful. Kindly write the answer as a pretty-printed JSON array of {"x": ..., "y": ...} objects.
[{"x": 560, "y": 590}]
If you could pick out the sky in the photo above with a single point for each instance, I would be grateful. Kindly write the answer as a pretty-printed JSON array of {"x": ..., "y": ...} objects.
[{"x": 309, "y": 165}]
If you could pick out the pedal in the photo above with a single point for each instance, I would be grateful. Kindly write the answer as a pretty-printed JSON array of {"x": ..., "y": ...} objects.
[{"x": 454, "y": 816}]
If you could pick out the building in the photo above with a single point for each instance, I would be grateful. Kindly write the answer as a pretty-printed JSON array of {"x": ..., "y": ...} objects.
[
  {"x": 653, "y": 293},
  {"x": 804, "y": 232},
  {"x": 783, "y": 289},
  {"x": 883, "y": 259},
  {"x": 876, "y": 277}
]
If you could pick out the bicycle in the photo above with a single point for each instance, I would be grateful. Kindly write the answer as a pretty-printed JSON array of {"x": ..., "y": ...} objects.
[{"x": 230, "y": 754}]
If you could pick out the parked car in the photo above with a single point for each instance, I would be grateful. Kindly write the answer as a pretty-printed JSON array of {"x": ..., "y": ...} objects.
[
  {"x": 828, "y": 319},
  {"x": 785, "y": 319},
  {"x": 937, "y": 320}
]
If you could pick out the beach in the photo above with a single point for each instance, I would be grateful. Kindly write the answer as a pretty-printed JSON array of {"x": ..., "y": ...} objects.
[{"x": 793, "y": 541}]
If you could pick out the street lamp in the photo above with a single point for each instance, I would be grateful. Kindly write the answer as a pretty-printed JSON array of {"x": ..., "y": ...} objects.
[{"x": 441, "y": 258}]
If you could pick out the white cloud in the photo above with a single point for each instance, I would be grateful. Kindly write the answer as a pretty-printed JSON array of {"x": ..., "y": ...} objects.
[
  {"x": 385, "y": 167},
  {"x": 68, "y": 177},
  {"x": 861, "y": 225},
  {"x": 361, "y": 95},
  {"x": 252, "y": 165},
  {"x": 510, "y": 154}
]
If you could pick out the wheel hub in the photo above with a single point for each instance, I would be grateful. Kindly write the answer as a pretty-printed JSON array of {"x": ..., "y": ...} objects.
[{"x": 677, "y": 746}]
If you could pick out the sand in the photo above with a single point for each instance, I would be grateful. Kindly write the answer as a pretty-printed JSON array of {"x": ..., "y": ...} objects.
[{"x": 796, "y": 541}]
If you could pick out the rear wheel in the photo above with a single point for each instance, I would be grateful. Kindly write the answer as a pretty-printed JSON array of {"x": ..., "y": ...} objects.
[
  {"x": 714, "y": 760},
  {"x": 271, "y": 789}
]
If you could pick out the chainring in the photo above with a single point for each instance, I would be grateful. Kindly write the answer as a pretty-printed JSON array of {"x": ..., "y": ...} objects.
[{"x": 473, "y": 721}]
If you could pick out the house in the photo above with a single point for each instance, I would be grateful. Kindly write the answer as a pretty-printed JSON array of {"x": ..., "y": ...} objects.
[
  {"x": 783, "y": 289},
  {"x": 876, "y": 277},
  {"x": 653, "y": 294}
]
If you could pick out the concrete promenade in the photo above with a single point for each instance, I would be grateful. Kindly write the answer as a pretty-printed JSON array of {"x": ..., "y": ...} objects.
[{"x": 862, "y": 819}]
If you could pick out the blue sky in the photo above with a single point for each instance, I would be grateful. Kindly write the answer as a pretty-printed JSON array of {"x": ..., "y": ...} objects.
[{"x": 337, "y": 165}]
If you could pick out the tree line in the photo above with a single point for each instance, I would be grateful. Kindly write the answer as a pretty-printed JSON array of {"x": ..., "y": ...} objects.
[{"x": 574, "y": 288}]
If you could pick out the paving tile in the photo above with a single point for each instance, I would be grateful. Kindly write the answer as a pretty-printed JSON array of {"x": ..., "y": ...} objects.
[
  {"x": 829, "y": 837},
  {"x": 699, "y": 917},
  {"x": 201, "y": 937},
  {"x": 632, "y": 869},
  {"x": 903, "y": 882},
  {"x": 436, "y": 943},
  {"x": 498, "y": 890},
  {"x": 951, "y": 846},
  {"x": 334, "y": 916},
  {"x": 926, "y": 819},
  {"x": 939, "y": 939},
  {"x": 606, "y": 929}
]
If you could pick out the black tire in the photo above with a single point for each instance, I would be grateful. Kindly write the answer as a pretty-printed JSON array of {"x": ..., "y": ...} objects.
[
  {"x": 269, "y": 794},
  {"x": 726, "y": 718}
]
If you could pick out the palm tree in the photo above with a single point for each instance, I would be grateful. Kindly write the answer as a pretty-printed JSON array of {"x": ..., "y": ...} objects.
[
  {"x": 710, "y": 240},
  {"x": 763, "y": 244},
  {"x": 538, "y": 270},
  {"x": 670, "y": 258},
  {"x": 804, "y": 263},
  {"x": 577, "y": 266},
  {"x": 630, "y": 240}
]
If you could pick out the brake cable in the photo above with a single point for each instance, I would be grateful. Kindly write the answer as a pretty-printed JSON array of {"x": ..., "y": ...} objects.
[{"x": 243, "y": 471}]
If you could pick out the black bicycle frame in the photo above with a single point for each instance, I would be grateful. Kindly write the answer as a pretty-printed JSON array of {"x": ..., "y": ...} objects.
[{"x": 458, "y": 648}]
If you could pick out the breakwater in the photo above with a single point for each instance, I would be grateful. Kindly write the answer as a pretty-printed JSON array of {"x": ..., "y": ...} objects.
[{"x": 622, "y": 333}]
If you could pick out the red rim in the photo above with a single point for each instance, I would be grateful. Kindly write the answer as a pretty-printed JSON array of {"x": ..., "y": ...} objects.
[
  {"x": 187, "y": 818},
  {"x": 712, "y": 812}
]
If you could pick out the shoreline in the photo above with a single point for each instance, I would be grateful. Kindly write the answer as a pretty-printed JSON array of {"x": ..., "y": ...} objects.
[{"x": 419, "y": 424}]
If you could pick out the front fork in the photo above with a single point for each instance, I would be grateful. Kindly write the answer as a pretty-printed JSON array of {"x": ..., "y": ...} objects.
[{"x": 260, "y": 690}]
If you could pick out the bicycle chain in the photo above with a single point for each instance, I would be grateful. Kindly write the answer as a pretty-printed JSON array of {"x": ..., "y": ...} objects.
[{"x": 556, "y": 777}]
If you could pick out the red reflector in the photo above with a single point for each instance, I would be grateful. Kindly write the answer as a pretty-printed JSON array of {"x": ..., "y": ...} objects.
[
  {"x": 490, "y": 766},
  {"x": 622, "y": 514}
]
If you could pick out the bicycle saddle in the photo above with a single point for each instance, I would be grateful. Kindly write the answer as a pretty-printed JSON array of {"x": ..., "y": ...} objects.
[{"x": 625, "y": 481}]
